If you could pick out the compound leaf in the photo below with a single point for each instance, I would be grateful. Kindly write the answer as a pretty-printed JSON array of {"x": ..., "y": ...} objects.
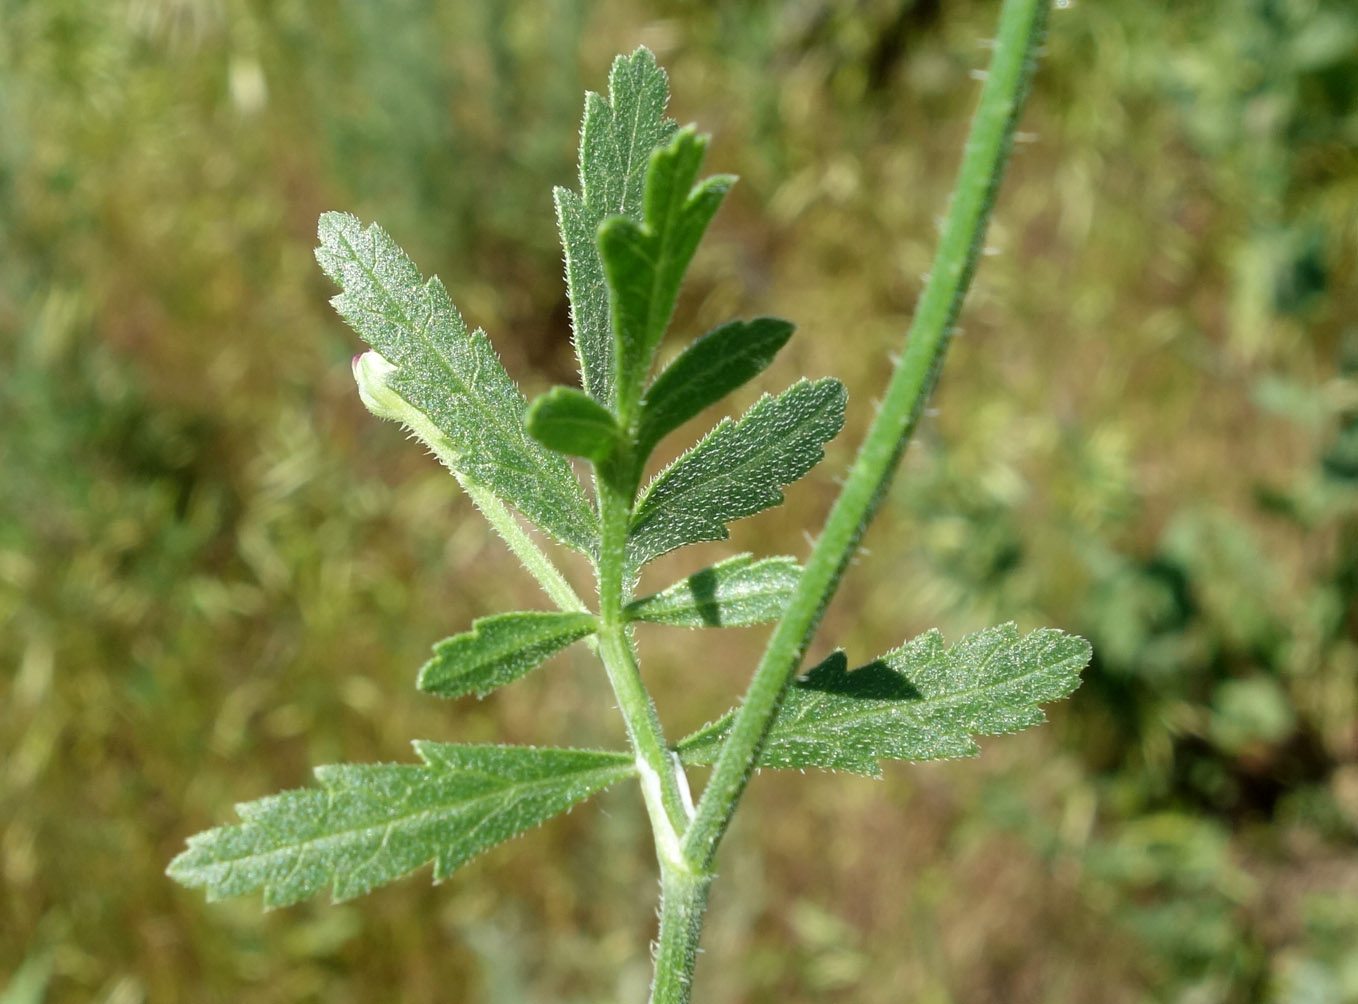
[
  {"x": 737, "y": 592},
  {"x": 368, "y": 824},
  {"x": 705, "y": 372},
  {"x": 737, "y": 469},
  {"x": 922, "y": 701},
  {"x": 570, "y": 421},
  {"x": 450, "y": 375},
  {"x": 644, "y": 263},
  {"x": 616, "y": 141},
  {"x": 499, "y": 649}
]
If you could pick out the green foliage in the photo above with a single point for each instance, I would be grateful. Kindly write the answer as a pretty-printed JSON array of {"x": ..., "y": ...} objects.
[
  {"x": 247, "y": 564},
  {"x": 629, "y": 239},
  {"x": 737, "y": 592},
  {"x": 371, "y": 823},
  {"x": 736, "y": 470},
  {"x": 644, "y": 264},
  {"x": 450, "y": 375},
  {"x": 922, "y": 701},
  {"x": 569, "y": 421},
  {"x": 617, "y": 139},
  {"x": 447, "y": 385},
  {"x": 500, "y": 649},
  {"x": 705, "y": 372}
]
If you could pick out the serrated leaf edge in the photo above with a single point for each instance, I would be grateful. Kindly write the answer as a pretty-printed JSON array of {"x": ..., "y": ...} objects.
[
  {"x": 776, "y": 494},
  {"x": 179, "y": 868},
  {"x": 584, "y": 623},
  {"x": 636, "y": 610},
  {"x": 579, "y": 533},
  {"x": 871, "y": 766}
]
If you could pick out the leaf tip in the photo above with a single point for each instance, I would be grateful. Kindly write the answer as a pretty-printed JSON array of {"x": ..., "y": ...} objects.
[
  {"x": 180, "y": 869},
  {"x": 640, "y": 61},
  {"x": 335, "y": 229}
]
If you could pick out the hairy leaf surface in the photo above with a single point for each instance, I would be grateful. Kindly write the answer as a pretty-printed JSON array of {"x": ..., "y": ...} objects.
[
  {"x": 737, "y": 592},
  {"x": 616, "y": 141},
  {"x": 737, "y": 469},
  {"x": 451, "y": 375},
  {"x": 570, "y": 421},
  {"x": 369, "y": 824},
  {"x": 922, "y": 701},
  {"x": 645, "y": 263},
  {"x": 499, "y": 649},
  {"x": 705, "y": 372}
]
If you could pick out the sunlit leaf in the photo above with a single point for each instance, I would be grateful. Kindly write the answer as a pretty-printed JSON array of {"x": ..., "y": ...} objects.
[
  {"x": 707, "y": 371},
  {"x": 737, "y": 592},
  {"x": 616, "y": 141},
  {"x": 737, "y": 469},
  {"x": 450, "y": 375},
  {"x": 368, "y": 824},
  {"x": 570, "y": 421},
  {"x": 922, "y": 701},
  {"x": 645, "y": 262},
  {"x": 499, "y": 649}
]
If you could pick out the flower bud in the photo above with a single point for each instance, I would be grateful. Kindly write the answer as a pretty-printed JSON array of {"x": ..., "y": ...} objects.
[{"x": 372, "y": 373}]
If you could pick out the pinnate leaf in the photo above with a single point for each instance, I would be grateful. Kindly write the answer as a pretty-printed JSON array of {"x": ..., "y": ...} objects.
[
  {"x": 450, "y": 375},
  {"x": 616, "y": 140},
  {"x": 707, "y": 371},
  {"x": 570, "y": 421},
  {"x": 500, "y": 649},
  {"x": 368, "y": 824},
  {"x": 645, "y": 263},
  {"x": 922, "y": 701},
  {"x": 737, "y": 469},
  {"x": 737, "y": 592}
]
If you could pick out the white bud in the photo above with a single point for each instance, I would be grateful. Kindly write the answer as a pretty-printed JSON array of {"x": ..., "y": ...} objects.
[{"x": 372, "y": 373}]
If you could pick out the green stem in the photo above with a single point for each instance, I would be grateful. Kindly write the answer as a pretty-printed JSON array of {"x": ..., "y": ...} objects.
[
  {"x": 683, "y": 903},
  {"x": 662, "y": 780},
  {"x": 370, "y": 371},
  {"x": 525, "y": 549},
  {"x": 1021, "y": 28}
]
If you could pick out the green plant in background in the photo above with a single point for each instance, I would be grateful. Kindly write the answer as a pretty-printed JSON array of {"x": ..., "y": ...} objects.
[{"x": 629, "y": 236}]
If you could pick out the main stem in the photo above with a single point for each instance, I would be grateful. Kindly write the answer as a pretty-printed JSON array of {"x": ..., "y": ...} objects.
[
  {"x": 1021, "y": 29},
  {"x": 662, "y": 782}
]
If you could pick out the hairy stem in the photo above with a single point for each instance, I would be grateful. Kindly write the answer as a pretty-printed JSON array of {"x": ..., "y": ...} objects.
[
  {"x": 662, "y": 782},
  {"x": 683, "y": 904},
  {"x": 1022, "y": 25},
  {"x": 1021, "y": 28},
  {"x": 386, "y": 403},
  {"x": 540, "y": 566}
]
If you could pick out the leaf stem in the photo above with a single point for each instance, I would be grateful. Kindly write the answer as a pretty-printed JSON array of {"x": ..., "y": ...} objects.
[
  {"x": 524, "y": 547},
  {"x": 384, "y": 402},
  {"x": 1021, "y": 29}
]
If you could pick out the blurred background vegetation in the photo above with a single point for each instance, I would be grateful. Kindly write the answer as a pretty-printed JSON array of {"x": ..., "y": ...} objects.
[{"x": 217, "y": 571}]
